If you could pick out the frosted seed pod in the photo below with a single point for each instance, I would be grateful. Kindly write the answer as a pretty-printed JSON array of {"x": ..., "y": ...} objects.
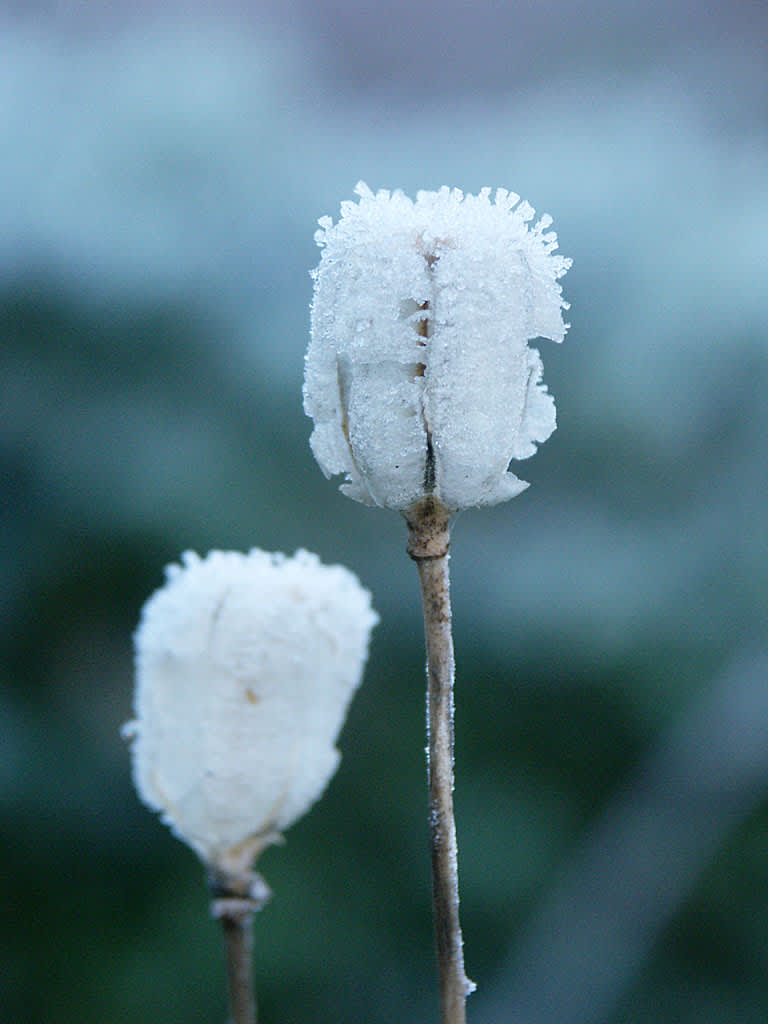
[
  {"x": 245, "y": 667},
  {"x": 419, "y": 377}
]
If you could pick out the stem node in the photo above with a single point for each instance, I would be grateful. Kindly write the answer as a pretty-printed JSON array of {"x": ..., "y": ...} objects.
[{"x": 235, "y": 898}]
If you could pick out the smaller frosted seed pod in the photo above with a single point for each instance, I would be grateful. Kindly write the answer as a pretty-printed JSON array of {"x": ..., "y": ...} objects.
[{"x": 245, "y": 667}]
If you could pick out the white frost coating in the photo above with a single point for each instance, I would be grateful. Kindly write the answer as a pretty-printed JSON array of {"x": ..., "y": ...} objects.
[
  {"x": 245, "y": 667},
  {"x": 419, "y": 377}
]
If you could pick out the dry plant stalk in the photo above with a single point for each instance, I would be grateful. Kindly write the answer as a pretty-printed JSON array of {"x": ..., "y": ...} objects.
[
  {"x": 428, "y": 546},
  {"x": 238, "y": 940}
]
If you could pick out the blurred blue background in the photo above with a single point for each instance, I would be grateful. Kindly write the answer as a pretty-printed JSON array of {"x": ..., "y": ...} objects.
[{"x": 162, "y": 170}]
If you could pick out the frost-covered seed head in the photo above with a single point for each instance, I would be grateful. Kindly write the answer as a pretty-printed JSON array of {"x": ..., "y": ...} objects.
[
  {"x": 245, "y": 666},
  {"x": 419, "y": 377}
]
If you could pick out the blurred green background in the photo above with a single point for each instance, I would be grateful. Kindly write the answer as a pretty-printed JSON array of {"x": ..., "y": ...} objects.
[{"x": 162, "y": 171}]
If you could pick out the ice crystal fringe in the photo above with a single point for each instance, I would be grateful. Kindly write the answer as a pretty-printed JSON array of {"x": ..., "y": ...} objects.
[
  {"x": 245, "y": 666},
  {"x": 419, "y": 377}
]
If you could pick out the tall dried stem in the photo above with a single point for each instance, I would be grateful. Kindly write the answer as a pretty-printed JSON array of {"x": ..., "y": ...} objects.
[{"x": 428, "y": 546}]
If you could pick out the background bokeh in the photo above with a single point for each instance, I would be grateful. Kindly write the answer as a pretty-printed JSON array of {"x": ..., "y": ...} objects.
[{"x": 162, "y": 167}]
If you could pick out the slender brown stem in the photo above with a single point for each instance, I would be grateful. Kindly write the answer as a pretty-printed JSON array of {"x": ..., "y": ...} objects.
[
  {"x": 235, "y": 900},
  {"x": 429, "y": 539},
  {"x": 238, "y": 942}
]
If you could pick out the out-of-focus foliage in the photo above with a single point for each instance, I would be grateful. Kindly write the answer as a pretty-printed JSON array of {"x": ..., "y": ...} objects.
[{"x": 158, "y": 194}]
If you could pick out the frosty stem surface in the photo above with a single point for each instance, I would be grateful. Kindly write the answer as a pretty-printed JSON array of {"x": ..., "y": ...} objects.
[{"x": 429, "y": 538}]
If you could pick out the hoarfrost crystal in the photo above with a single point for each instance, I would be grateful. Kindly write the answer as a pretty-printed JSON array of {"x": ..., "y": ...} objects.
[
  {"x": 245, "y": 666},
  {"x": 419, "y": 377}
]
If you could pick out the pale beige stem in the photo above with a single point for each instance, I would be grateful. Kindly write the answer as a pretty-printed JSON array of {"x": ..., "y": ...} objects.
[
  {"x": 428, "y": 546},
  {"x": 235, "y": 900}
]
